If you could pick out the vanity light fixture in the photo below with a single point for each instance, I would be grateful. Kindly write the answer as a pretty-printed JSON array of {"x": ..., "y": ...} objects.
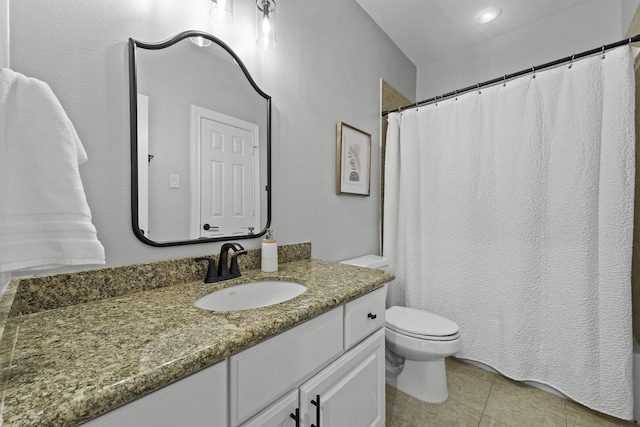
[
  {"x": 266, "y": 23},
  {"x": 488, "y": 15},
  {"x": 222, "y": 11}
]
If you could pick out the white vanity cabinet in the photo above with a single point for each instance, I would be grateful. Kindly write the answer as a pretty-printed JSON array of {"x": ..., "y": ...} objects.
[
  {"x": 324, "y": 359},
  {"x": 198, "y": 400},
  {"x": 338, "y": 356}
]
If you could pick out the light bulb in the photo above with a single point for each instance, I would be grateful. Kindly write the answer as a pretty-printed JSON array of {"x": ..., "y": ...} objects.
[
  {"x": 266, "y": 26},
  {"x": 200, "y": 41},
  {"x": 221, "y": 5}
]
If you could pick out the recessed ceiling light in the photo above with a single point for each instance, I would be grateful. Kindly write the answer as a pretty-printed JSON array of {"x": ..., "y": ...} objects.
[{"x": 488, "y": 15}]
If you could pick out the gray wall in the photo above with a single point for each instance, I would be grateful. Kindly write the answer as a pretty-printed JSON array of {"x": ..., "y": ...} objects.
[
  {"x": 574, "y": 30},
  {"x": 627, "y": 11},
  {"x": 326, "y": 67}
]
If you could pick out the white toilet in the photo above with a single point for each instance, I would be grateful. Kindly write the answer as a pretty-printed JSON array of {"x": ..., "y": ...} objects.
[{"x": 421, "y": 339}]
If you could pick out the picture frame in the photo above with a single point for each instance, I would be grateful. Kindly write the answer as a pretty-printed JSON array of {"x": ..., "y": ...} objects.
[{"x": 353, "y": 160}]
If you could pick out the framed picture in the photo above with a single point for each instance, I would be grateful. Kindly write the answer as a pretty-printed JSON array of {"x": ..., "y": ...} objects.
[{"x": 353, "y": 161}]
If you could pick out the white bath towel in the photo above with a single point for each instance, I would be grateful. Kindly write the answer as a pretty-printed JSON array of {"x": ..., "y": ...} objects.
[
  {"x": 45, "y": 221},
  {"x": 516, "y": 221}
]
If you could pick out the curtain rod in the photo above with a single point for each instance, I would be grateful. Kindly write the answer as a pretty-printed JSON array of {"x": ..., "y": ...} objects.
[{"x": 506, "y": 77}]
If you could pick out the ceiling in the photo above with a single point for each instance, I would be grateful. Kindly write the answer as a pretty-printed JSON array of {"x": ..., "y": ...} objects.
[{"x": 426, "y": 30}]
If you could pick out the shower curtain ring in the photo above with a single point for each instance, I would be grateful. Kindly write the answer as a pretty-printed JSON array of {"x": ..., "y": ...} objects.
[
  {"x": 533, "y": 70},
  {"x": 479, "y": 91},
  {"x": 602, "y": 51},
  {"x": 504, "y": 82},
  {"x": 571, "y": 61},
  {"x": 456, "y": 94}
]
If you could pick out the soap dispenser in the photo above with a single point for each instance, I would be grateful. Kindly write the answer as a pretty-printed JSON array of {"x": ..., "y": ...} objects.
[{"x": 269, "y": 253}]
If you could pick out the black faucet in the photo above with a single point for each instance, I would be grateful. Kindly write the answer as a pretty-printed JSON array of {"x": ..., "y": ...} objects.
[{"x": 224, "y": 272}]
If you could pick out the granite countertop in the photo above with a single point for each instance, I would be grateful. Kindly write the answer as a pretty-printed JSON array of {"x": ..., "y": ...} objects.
[{"x": 71, "y": 363}]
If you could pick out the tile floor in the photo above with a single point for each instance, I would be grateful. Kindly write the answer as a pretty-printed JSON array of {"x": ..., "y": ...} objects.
[{"x": 482, "y": 399}]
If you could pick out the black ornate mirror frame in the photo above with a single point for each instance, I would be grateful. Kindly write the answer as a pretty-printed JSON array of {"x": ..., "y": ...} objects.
[{"x": 133, "y": 91}]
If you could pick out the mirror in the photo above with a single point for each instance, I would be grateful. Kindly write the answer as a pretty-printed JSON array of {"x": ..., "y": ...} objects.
[{"x": 200, "y": 143}]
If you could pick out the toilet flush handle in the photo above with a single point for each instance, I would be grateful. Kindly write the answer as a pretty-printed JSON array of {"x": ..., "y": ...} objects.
[{"x": 372, "y": 316}]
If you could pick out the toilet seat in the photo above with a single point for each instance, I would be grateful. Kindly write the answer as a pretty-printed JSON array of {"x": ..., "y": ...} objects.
[
  {"x": 426, "y": 337},
  {"x": 421, "y": 324}
]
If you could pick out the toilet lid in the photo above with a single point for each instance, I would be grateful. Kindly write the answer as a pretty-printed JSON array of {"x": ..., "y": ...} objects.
[
  {"x": 420, "y": 323},
  {"x": 369, "y": 261}
]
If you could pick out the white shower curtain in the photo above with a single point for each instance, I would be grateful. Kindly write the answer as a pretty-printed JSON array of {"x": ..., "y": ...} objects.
[{"x": 510, "y": 212}]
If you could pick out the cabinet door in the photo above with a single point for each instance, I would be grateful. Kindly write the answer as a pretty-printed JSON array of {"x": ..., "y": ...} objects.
[
  {"x": 197, "y": 400},
  {"x": 351, "y": 389},
  {"x": 278, "y": 414}
]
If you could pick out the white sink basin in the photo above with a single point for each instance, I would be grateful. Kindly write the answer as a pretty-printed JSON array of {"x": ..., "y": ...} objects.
[{"x": 250, "y": 295}]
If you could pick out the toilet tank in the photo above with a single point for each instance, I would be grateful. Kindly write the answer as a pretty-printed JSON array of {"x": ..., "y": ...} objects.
[{"x": 369, "y": 261}]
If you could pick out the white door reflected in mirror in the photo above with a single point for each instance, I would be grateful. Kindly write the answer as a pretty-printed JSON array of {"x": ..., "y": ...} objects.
[{"x": 225, "y": 171}]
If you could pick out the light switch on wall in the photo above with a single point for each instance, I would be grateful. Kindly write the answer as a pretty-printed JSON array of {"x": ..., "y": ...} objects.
[{"x": 174, "y": 180}]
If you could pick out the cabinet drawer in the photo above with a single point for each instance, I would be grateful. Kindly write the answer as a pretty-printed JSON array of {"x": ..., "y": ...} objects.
[
  {"x": 261, "y": 374},
  {"x": 363, "y": 316}
]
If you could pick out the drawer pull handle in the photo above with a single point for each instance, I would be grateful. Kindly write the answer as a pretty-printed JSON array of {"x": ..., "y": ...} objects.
[
  {"x": 296, "y": 417},
  {"x": 372, "y": 316},
  {"x": 316, "y": 403}
]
